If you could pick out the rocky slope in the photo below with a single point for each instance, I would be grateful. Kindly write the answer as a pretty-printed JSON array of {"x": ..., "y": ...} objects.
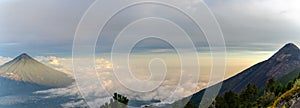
[{"x": 283, "y": 62}]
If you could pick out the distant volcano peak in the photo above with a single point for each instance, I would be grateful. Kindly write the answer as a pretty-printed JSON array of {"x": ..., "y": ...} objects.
[
  {"x": 24, "y": 56},
  {"x": 25, "y": 68}
]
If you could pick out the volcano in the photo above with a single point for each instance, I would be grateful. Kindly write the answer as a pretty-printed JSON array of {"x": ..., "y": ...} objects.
[
  {"x": 283, "y": 66},
  {"x": 28, "y": 70}
]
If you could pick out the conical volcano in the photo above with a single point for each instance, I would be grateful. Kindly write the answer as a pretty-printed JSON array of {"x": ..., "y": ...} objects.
[{"x": 26, "y": 69}]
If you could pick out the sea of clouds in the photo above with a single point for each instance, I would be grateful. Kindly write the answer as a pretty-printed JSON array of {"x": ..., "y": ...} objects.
[{"x": 169, "y": 91}]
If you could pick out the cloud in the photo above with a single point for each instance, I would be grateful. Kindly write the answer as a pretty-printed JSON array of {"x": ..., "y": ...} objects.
[
  {"x": 15, "y": 99},
  {"x": 107, "y": 78},
  {"x": 104, "y": 67},
  {"x": 256, "y": 25},
  {"x": 103, "y": 64},
  {"x": 45, "y": 24},
  {"x": 65, "y": 65},
  {"x": 50, "y": 60},
  {"x": 4, "y": 60},
  {"x": 39, "y": 26},
  {"x": 59, "y": 92},
  {"x": 54, "y": 62},
  {"x": 58, "y": 63},
  {"x": 111, "y": 83},
  {"x": 169, "y": 91},
  {"x": 67, "y": 92},
  {"x": 249, "y": 27}
]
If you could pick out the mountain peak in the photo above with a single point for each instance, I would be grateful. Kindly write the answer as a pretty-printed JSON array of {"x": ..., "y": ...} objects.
[
  {"x": 290, "y": 46},
  {"x": 24, "y": 55},
  {"x": 27, "y": 69},
  {"x": 287, "y": 52}
]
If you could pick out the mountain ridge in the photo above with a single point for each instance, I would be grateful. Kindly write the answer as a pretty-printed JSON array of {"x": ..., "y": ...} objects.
[{"x": 285, "y": 60}]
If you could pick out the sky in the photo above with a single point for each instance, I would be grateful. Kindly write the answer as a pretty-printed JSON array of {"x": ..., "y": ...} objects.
[
  {"x": 253, "y": 30},
  {"x": 48, "y": 27}
]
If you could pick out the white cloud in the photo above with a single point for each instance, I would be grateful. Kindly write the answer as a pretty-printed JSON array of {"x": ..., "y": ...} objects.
[
  {"x": 109, "y": 81},
  {"x": 288, "y": 8},
  {"x": 59, "y": 92},
  {"x": 166, "y": 92},
  {"x": 112, "y": 85},
  {"x": 15, "y": 99},
  {"x": 70, "y": 91},
  {"x": 61, "y": 64},
  {"x": 4, "y": 60},
  {"x": 257, "y": 25}
]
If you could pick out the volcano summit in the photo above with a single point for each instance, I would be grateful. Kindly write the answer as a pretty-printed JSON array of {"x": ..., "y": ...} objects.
[{"x": 26, "y": 69}]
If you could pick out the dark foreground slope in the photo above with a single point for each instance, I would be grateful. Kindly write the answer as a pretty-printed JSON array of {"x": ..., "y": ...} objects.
[
  {"x": 280, "y": 64},
  {"x": 286, "y": 60}
]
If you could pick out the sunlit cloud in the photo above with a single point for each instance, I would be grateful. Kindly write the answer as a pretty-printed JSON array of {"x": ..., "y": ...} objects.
[
  {"x": 108, "y": 79},
  {"x": 4, "y": 59},
  {"x": 58, "y": 63}
]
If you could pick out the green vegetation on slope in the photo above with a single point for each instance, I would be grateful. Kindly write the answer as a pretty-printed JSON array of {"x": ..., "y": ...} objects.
[
  {"x": 274, "y": 95},
  {"x": 291, "y": 75},
  {"x": 118, "y": 101},
  {"x": 284, "y": 99}
]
